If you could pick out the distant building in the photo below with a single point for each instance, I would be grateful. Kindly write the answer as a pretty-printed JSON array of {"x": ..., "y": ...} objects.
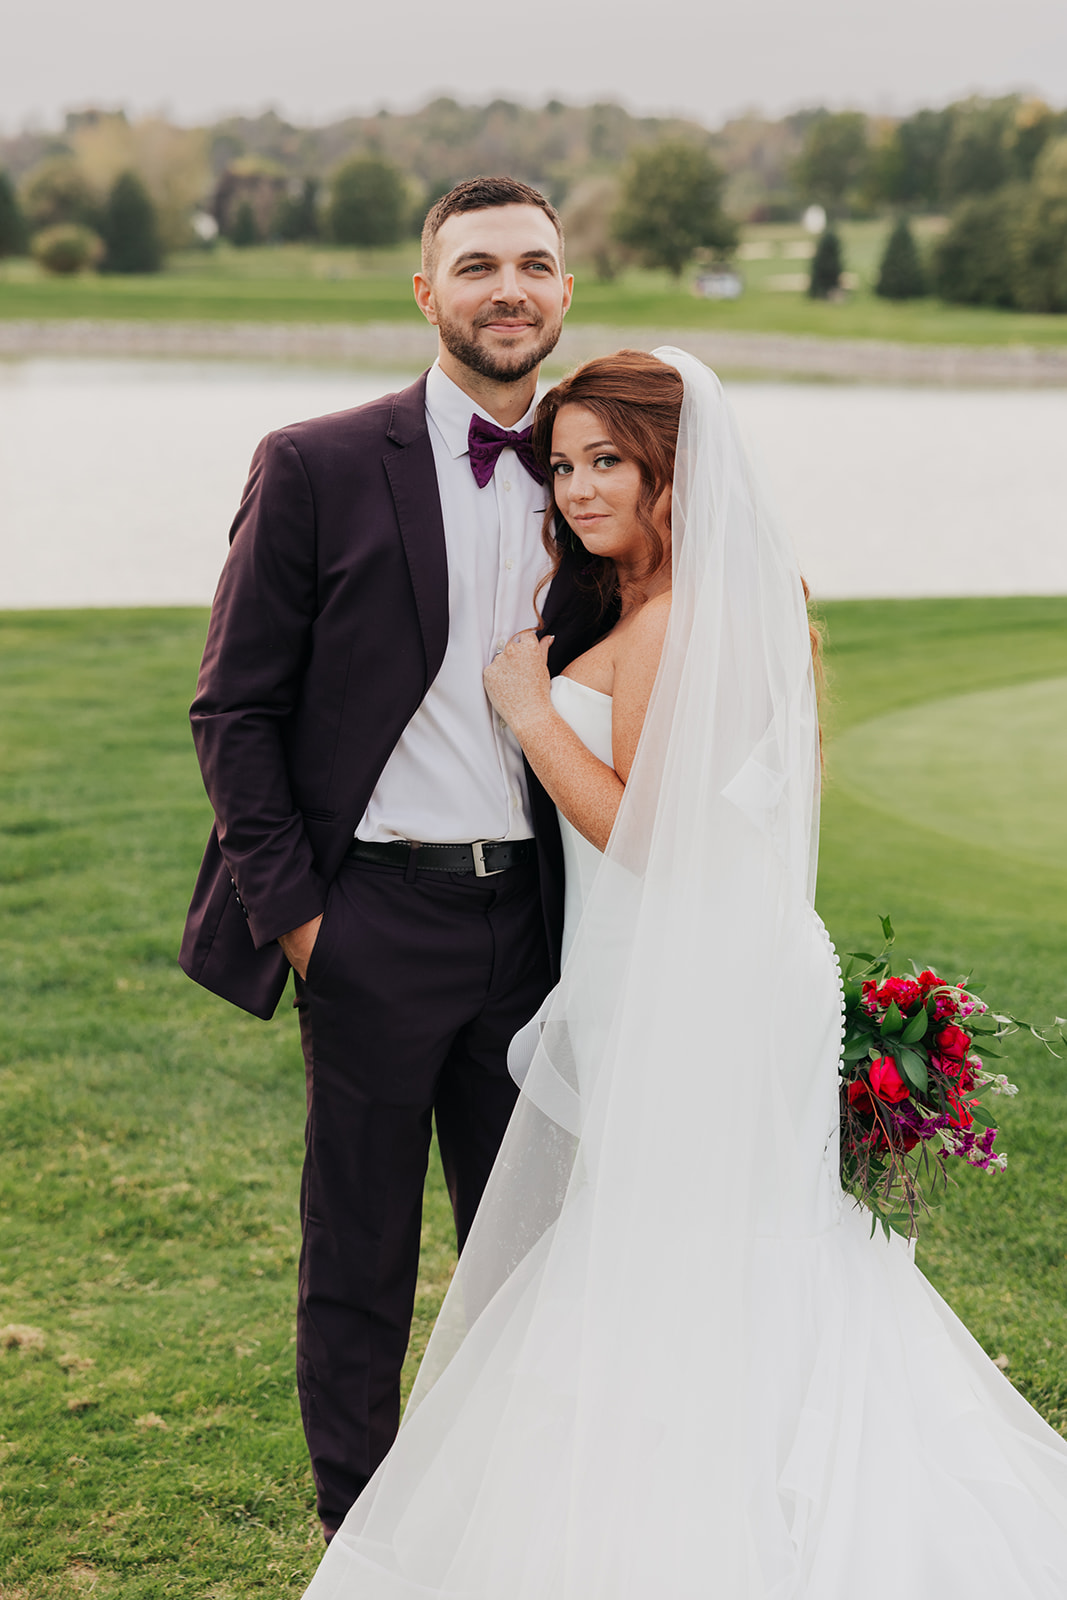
[{"x": 719, "y": 283}]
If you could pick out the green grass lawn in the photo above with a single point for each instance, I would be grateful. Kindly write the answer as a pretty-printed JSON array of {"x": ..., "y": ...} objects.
[
  {"x": 151, "y": 1135},
  {"x": 298, "y": 283}
]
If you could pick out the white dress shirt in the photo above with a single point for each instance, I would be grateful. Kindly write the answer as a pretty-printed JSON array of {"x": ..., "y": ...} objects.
[{"x": 456, "y": 774}]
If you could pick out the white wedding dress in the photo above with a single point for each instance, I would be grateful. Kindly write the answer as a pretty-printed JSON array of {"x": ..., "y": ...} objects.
[{"x": 674, "y": 1364}]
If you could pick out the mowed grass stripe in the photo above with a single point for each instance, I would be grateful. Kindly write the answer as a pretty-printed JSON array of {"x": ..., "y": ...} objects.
[{"x": 989, "y": 768}]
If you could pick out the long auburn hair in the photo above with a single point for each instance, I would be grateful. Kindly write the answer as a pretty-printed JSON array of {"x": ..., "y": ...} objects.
[{"x": 639, "y": 400}]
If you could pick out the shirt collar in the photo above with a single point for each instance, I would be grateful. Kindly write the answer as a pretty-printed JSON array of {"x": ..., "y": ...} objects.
[{"x": 450, "y": 410}]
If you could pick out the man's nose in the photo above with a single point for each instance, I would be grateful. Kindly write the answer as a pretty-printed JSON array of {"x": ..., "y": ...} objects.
[{"x": 508, "y": 287}]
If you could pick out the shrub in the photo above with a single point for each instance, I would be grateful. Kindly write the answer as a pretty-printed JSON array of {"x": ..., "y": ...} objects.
[
  {"x": 13, "y": 235},
  {"x": 368, "y": 203},
  {"x": 827, "y": 266},
  {"x": 129, "y": 228},
  {"x": 67, "y": 248},
  {"x": 974, "y": 261},
  {"x": 901, "y": 275}
]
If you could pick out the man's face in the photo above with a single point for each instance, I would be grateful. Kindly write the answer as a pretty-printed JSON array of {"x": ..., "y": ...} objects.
[{"x": 498, "y": 292}]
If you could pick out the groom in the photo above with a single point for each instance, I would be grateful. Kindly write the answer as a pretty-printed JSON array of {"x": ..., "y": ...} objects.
[{"x": 376, "y": 829}]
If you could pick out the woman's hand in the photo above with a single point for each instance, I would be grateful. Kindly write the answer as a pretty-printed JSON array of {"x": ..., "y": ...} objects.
[{"x": 517, "y": 680}]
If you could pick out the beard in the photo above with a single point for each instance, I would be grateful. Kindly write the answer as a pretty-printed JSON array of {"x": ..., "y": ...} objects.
[{"x": 461, "y": 341}]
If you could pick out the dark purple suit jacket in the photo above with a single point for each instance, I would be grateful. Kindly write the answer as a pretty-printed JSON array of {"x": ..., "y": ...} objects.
[{"x": 329, "y": 625}]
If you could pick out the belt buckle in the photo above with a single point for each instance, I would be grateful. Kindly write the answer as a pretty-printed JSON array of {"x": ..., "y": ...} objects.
[{"x": 480, "y": 868}]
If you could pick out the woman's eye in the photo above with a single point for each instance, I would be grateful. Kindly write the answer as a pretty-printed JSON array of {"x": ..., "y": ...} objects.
[
  {"x": 606, "y": 461},
  {"x": 560, "y": 469}
]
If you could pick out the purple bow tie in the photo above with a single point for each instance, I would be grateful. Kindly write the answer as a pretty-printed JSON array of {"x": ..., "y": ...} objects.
[{"x": 485, "y": 442}]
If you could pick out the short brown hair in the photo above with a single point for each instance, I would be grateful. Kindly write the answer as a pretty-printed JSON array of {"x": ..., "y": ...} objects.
[
  {"x": 638, "y": 398},
  {"x": 482, "y": 194}
]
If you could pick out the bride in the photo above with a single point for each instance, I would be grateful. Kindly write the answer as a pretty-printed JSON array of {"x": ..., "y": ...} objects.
[{"x": 673, "y": 1363}]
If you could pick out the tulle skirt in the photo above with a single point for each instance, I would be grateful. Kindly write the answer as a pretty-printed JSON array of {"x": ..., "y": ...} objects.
[{"x": 885, "y": 1454}]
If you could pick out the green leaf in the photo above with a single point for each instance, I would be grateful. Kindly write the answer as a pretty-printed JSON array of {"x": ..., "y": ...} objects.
[
  {"x": 855, "y": 1049},
  {"x": 887, "y": 929},
  {"x": 915, "y": 1028},
  {"x": 982, "y": 1117},
  {"x": 892, "y": 1022},
  {"x": 987, "y": 1050},
  {"x": 913, "y": 1067}
]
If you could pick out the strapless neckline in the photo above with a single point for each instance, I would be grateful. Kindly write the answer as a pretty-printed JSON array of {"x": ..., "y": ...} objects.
[{"x": 562, "y": 677}]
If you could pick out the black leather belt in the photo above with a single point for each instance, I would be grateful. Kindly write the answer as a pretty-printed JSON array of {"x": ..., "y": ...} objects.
[{"x": 485, "y": 857}]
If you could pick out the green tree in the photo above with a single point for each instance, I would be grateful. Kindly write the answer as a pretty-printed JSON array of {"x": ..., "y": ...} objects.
[
  {"x": 901, "y": 276},
  {"x": 906, "y": 168},
  {"x": 834, "y": 161},
  {"x": 827, "y": 266},
  {"x": 297, "y": 216},
  {"x": 59, "y": 192},
  {"x": 245, "y": 227},
  {"x": 368, "y": 202},
  {"x": 129, "y": 228},
  {"x": 1039, "y": 274},
  {"x": 67, "y": 248},
  {"x": 974, "y": 260},
  {"x": 13, "y": 232},
  {"x": 672, "y": 205},
  {"x": 977, "y": 158}
]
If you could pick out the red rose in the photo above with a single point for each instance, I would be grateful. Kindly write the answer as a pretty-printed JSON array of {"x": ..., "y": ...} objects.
[
  {"x": 886, "y": 1081},
  {"x": 905, "y": 991},
  {"x": 929, "y": 980},
  {"x": 952, "y": 1041},
  {"x": 859, "y": 1097}
]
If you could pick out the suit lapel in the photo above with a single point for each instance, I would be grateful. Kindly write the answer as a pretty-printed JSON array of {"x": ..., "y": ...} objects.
[{"x": 412, "y": 476}]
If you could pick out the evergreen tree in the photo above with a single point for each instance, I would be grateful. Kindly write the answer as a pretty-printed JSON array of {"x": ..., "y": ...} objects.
[
  {"x": 974, "y": 262},
  {"x": 368, "y": 203},
  {"x": 297, "y": 216},
  {"x": 826, "y": 266},
  {"x": 901, "y": 276},
  {"x": 672, "y": 205},
  {"x": 13, "y": 233},
  {"x": 129, "y": 228},
  {"x": 245, "y": 226}
]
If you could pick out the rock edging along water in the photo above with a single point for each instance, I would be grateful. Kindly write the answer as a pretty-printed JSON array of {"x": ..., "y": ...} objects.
[{"x": 407, "y": 346}]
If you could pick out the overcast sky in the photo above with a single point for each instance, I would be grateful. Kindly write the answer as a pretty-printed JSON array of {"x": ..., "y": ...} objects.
[{"x": 316, "y": 59}]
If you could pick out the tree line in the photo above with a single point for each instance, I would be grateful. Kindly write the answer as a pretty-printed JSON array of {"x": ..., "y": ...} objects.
[{"x": 652, "y": 190}]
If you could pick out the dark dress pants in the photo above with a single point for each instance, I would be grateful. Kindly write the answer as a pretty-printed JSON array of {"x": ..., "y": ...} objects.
[{"x": 415, "y": 987}]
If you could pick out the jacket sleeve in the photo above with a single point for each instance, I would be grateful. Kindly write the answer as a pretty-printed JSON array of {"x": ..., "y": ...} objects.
[{"x": 250, "y": 681}]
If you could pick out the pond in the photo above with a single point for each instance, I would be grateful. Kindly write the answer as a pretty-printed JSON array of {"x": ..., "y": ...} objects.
[{"x": 119, "y": 478}]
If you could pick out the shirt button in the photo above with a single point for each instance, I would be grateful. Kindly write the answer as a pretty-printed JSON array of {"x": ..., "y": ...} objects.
[
  {"x": 507, "y": 487},
  {"x": 499, "y": 645},
  {"x": 514, "y": 802},
  {"x": 509, "y": 565},
  {"x": 501, "y": 724}
]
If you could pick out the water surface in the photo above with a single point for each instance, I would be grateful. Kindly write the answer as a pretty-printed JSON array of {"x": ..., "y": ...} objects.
[{"x": 119, "y": 478}]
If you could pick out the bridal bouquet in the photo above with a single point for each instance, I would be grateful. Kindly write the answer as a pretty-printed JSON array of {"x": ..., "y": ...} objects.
[{"x": 915, "y": 1088}]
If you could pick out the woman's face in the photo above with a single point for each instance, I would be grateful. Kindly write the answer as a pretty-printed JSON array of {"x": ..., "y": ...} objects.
[{"x": 597, "y": 489}]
